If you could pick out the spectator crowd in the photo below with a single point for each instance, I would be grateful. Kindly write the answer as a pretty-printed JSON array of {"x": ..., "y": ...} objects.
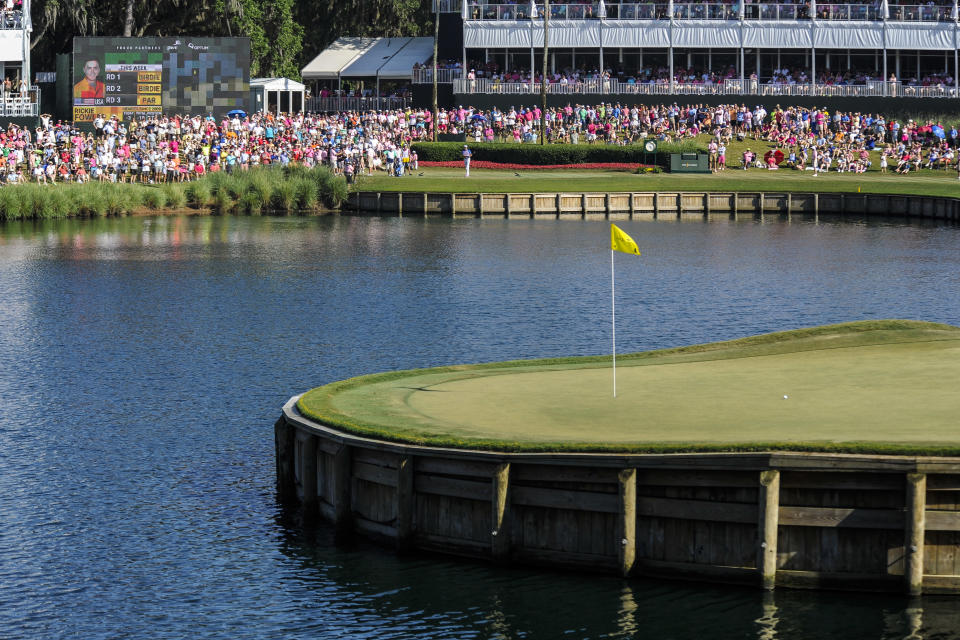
[{"x": 180, "y": 148}]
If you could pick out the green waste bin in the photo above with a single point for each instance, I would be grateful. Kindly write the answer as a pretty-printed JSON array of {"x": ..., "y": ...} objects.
[{"x": 689, "y": 163}]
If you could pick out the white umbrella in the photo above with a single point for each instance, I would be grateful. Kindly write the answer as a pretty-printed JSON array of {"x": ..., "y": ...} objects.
[
  {"x": 602, "y": 10},
  {"x": 533, "y": 9}
]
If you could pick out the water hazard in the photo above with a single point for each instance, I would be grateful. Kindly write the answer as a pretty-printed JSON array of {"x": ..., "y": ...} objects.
[{"x": 144, "y": 361}]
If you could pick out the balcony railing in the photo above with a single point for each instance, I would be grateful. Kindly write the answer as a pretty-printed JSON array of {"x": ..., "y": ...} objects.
[
  {"x": 14, "y": 104},
  {"x": 11, "y": 19},
  {"x": 875, "y": 88},
  {"x": 424, "y": 75},
  {"x": 477, "y": 10},
  {"x": 354, "y": 103}
]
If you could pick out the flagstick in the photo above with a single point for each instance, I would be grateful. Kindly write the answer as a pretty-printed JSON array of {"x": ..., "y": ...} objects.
[{"x": 613, "y": 323}]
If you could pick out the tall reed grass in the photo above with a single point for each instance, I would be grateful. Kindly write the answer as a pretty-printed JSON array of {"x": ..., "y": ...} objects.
[{"x": 261, "y": 190}]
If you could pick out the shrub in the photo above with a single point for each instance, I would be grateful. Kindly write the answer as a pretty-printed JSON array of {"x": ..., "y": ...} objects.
[
  {"x": 223, "y": 202},
  {"x": 251, "y": 203},
  {"x": 553, "y": 154},
  {"x": 283, "y": 197},
  {"x": 305, "y": 192},
  {"x": 198, "y": 193},
  {"x": 154, "y": 198},
  {"x": 176, "y": 198}
]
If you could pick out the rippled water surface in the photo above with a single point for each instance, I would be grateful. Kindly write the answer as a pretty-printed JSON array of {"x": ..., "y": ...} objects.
[{"x": 143, "y": 362}]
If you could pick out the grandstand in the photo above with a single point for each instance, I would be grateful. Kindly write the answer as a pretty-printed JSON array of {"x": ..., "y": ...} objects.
[{"x": 739, "y": 47}]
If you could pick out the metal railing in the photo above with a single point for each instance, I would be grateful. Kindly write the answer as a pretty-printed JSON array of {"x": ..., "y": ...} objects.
[
  {"x": 477, "y": 10},
  {"x": 872, "y": 88},
  {"x": 424, "y": 75},
  {"x": 11, "y": 19},
  {"x": 919, "y": 13},
  {"x": 354, "y": 103},
  {"x": 14, "y": 104}
]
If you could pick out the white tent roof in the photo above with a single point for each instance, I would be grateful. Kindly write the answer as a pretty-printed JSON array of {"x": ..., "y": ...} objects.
[
  {"x": 375, "y": 57},
  {"x": 400, "y": 66},
  {"x": 336, "y": 57},
  {"x": 276, "y": 84}
]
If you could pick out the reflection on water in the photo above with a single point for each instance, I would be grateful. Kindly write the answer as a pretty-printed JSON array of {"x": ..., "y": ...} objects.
[{"x": 145, "y": 360}]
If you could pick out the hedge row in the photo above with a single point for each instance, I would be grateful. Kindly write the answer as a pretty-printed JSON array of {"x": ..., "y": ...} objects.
[{"x": 551, "y": 154}]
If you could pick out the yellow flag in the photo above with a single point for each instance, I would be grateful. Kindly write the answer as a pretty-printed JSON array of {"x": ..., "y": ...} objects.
[{"x": 619, "y": 241}]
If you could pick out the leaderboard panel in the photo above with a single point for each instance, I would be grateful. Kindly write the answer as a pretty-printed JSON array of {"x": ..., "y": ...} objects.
[{"x": 139, "y": 77}]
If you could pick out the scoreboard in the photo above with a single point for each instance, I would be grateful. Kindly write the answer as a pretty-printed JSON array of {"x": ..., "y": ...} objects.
[{"x": 135, "y": 77}]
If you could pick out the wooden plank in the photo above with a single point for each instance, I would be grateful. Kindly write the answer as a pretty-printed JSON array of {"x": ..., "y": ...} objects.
[
  {"x": 552, "y": 558},
  {"x": 329, "y": 447},
  {"x": 455, "y": 467},
  {"x": 664, "y": 478},
  {"x": 448, "y": 544},
  {"x": 839, "y": 480},
  {"x": 841, "y": 581},
  {"x": 947, "y": 585},
  {"x": 943, "y": 482},
  {"x": 943, "y": 520},
  {"x": 453, "y": 487},
  {"x": 376, "y": 457},
  {"x": 696, "y": 510},
  {"x": 690, "y": 570},
  {"x": 562, "y": 499},
  {"x": 405, "y": 503},
  {"x": 527, "y": 473},
  {"x": 370, "y": 527},
  {"x": 343, "y": 507},
  {"x": 373, "y": 473},
  {"x": 832, "y": 517}
]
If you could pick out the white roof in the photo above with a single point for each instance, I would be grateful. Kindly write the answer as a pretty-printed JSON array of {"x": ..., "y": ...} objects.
[
  {"x": 400, "y": 66},
  {"x": 336, "y": 57},
  {"x": 368, "y": 65},
  {"x": 277, "y": 84}
]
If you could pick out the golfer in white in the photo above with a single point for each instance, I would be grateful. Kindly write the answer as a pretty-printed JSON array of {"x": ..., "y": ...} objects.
[{"x": 466, "y": 159}]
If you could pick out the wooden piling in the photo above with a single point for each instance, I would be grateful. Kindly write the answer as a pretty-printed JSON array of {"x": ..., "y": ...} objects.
[
  {"x": 500, "y": 535},
  {"x": 627, "y": 526},
  {"x": 768, "y": 504},
  {"x": 915, "y": 532}
]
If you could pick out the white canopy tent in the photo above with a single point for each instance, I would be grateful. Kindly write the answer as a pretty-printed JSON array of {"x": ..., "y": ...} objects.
[
  {"x": 280, "y": 95},
  {"x": 337, "y": 57},
  {"x": 400, "y": 66}
]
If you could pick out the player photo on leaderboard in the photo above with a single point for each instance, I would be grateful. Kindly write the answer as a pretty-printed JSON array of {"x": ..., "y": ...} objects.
[{"x": 90, "y": 87}]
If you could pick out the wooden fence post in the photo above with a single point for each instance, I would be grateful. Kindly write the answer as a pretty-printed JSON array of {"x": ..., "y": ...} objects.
[
  {"x": 914, "y": 535},
  {"x": 500, "y": 536},
  {"x": 627, "y": 526},
  {"x": 768, "y": 504}
]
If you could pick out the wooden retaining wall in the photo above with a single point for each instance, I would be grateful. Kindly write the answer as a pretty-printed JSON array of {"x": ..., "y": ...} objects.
[
  {"x": 872, "y": 523},
  {"x": 646, "y": 204}
]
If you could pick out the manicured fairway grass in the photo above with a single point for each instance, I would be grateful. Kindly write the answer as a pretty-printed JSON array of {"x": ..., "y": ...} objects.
[
  {"x": 876, "y": 386},
  {"x": 446, "y": 180}
]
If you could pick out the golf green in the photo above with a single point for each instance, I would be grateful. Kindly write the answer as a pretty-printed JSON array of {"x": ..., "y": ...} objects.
[{"x": 875, "y": 386}]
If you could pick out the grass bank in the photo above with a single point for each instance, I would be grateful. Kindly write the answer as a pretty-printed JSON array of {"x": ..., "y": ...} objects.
[
  {"x": 262, "y": 190},
  {"x": 878, "y": 387},
  {"x": 446, "y": 180}
]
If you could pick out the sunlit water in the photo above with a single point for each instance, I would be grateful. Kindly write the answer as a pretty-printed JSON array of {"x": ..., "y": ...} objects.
[{"x": 143, "y": 362}]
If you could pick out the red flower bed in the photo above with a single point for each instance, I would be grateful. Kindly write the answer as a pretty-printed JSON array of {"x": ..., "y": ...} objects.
[{"x": 486, "y": 164}]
